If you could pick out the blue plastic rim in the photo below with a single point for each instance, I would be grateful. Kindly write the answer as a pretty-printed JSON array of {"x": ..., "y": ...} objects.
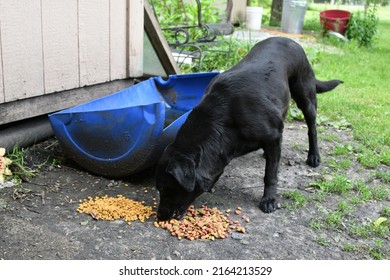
[{"x": 125, "y": 132}]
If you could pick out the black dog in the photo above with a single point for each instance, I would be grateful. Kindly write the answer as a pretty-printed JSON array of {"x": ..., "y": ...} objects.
[{"x": 243, "y": 110}]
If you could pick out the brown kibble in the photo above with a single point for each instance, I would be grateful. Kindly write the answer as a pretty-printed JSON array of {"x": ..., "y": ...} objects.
[
  {"x": 114, "y": 208},
  {"x": 202, "y": 223},
  {"x": 238, "y": 212}
]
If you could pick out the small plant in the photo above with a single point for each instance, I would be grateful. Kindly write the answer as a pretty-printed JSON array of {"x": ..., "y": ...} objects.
[
  {"x": 363, "y": 27},
  {"x": 350, "y": 248},
  {"x": 334, "y": 219},
  {"x": 380, "y": 227},
  {"x": 383, "y": 176},
  {"x": 322, "y": 241},
  {"x": 338, "y": 184},
  {"x": 385, "y": 212},
  {"x": 376, "y": 250},
  {"x": 297, "y": 198},
  {"x": 20, "y": 170},
  {"x": 342, "y": 150}
]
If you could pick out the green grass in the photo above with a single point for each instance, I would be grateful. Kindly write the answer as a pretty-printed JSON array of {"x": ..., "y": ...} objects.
[
  {"x": 338, "y": 184},
  {"x": 296, "y": 197}
]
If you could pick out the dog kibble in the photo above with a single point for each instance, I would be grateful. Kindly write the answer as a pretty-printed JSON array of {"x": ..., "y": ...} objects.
[
  {"x": 114, "y": 208},
  {"x": 202, "y": 223}
]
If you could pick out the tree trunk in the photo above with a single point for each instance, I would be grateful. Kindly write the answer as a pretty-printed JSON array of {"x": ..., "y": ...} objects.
[{"x": 276, "y": 13}]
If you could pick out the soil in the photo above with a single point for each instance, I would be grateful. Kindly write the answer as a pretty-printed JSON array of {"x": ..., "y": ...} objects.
[{"x": 38, "y": 220}]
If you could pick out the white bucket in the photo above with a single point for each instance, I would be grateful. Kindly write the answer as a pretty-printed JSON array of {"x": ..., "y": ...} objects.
[{"x": 253, "y": 17}]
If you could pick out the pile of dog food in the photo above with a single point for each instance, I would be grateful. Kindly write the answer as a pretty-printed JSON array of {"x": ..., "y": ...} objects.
[
  {"x": 198, "y": 223},
  {"x": 204, "y": 223},
  {"x": 114, "y": 208}
]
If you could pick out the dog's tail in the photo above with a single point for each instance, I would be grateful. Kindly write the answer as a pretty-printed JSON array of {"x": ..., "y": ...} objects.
[{"x": 322, "y": 86}]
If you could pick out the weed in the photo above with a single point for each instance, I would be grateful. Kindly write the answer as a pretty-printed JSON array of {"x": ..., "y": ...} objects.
[
  {"x": 20, "y": 170},
  {"x": 342, "y": 150},
  {"x": 364, "y": 192},
  {"x": 385, "y": 212},
  {"x": 376, "y": 250},
  {"x": 383, "y": 176},
  {"x": 316, "y": 224},
  {"x": 369, "y": 158},
  {"x": 338, "y": 184},
  {"x": 340, "y": 165},
  {"x": 334, "y": 220},
  {"x": 331, "y": 137},
  {"x": 345, "y": 208},
  {"x": 350, "y": 248},
  {"x": 322, "y": 241},
  {"x": 379, "y": 228},
  {"x": 297, "y": 198}
]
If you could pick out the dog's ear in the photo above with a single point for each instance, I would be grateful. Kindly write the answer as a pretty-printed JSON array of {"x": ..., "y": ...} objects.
[
  {"x": 183, "y": 170},
  {"x": 202, "y": 176}
]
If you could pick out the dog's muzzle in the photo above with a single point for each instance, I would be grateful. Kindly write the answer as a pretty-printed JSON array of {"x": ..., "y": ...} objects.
[{"x": 164, "y": 214}]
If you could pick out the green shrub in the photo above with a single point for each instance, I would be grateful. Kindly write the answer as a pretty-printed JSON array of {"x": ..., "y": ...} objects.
[{"x": 363, "y": 27}]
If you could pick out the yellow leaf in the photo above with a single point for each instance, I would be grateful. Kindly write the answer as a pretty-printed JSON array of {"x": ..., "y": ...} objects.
[
  {"x": 2, "y": 152},
  {"x": 380, "y": 221}
]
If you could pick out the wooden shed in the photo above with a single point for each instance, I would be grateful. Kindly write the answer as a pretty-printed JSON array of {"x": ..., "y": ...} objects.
[{"x": 55, "y": 54}]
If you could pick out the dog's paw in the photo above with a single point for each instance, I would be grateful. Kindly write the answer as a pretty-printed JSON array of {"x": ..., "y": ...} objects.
[
  {"x": 268, "y": 205},
  {"x": 313, "y": 160}
]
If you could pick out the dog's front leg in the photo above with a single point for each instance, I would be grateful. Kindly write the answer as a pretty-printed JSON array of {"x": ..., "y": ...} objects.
[{"x": 268, "y": 202}]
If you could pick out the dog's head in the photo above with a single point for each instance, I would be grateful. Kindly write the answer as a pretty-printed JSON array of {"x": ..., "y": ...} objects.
[{"x": 179, "y": 182}]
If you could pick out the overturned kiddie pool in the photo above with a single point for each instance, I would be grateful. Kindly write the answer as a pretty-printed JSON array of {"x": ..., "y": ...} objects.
[{"x": 126, "y": 132}]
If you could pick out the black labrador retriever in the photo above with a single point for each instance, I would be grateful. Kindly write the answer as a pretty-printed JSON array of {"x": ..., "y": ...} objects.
[{"x": 242, "y": 110}]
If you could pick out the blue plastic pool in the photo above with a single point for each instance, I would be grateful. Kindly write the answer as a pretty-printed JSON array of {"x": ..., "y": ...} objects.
[{"x": 126, "y": 132}]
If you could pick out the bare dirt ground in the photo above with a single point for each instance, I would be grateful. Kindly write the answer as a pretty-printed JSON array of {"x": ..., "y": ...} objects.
[{"x": 38, "y": 220}]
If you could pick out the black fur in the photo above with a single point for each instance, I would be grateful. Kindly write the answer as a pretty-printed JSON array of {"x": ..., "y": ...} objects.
[{"x": 243, "y": 110}]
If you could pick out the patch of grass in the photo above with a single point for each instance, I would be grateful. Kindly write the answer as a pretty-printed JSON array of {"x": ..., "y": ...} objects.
[
  {"x": 377, "y": 228},
  {"x": 385, "y": 212},
  {"x": 340, "y": 164},
  {"x": 342, "y": 150},
  {"x": 376, "y": 252},
  {"x": 338, "y": 184},
  {"x": 349, "y": 247},
  {"x": 316, "y": 224},
  {"x": 334, "y": 220},
  {"x": 298, "y": 199},
  {"x": 330, "y": 137},
  {"x": 366, "y": 193},
  {"x": 383, "y": 176},
  {"x": 322, "y": 241}
]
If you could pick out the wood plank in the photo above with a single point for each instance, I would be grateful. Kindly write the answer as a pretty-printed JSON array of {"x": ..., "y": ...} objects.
[
  {"x": 60, "y": 44},
  {"x": 94, "y": 41},
  {"x": 159, "y": 43},
  {"x": 21, "y": 38},
  {"x": 136, "y": 37},
  {"x": 118, "y": 39},
  {"x": 48, "y": 103}
]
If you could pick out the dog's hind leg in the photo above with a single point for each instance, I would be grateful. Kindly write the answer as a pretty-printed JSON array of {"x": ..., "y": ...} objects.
[
  {"x": 272, "y": 150},
  {"x": 306, "y": 100}
]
